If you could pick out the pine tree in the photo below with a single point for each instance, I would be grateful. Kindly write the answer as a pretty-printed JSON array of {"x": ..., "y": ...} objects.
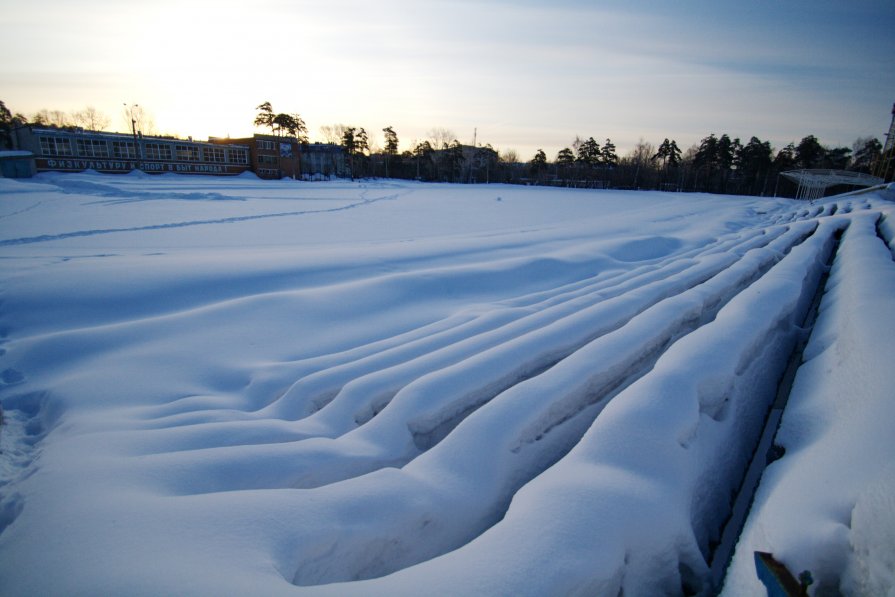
[
  {"x": 538, "y": 164},
  {"x": 565, "y": 157},
  {"x": 837, "y": 158},
  {"x": 608, "y": 155},
  {"x": 726, "y": 152},
  {"x": 674, "y": 154},
  {"x": 785, "y": 158},
  {"x": 265, "y": 116},
  {"x": 391, "y": 141},
  {"x": 348, "y": 143},
  {"x": 867, "y": 151},
  {"x": 706, "y": 157},
  {"x": 486, "y": 157},
  {"x": 391, "y": 146},
  {"x": 290, "y": 124},
  {"x": 422, "y": 154},
  {"x": 662, "y": 153},
  {"x": 300, "y": 132},
  {"x": 6, "y": 126},
  {"x": 361, "y": 143},
  {"x": 754, "y": 163},
  {"x": 455, "y": 158},
  {"x": 348, "y": 140},
  {"x": 589, "y": 152},
  {"x": 810, "y": 153}
]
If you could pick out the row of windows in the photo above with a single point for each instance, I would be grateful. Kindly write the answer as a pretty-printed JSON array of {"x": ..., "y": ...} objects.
[
  {"x": 157, "y": 151},
  {"x": 238, "y": 156},
  {"x": 96, "y": 148},
  {"x": 124, "y": 150},
  {"x": 55, "y": 146},
  {"x": 91, "y": 148},
  {"x": 214, "y": 154},
  {"x": 187, "y": 153}
]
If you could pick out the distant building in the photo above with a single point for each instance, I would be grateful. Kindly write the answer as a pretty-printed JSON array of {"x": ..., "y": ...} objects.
[
  {"x": 275, "y": 157},
  {"x": 75, "y": 150},
  {"x": 271, "y": 157},
  {"x": 323, "y": 160},
  {"x": 268, "y": 156}
]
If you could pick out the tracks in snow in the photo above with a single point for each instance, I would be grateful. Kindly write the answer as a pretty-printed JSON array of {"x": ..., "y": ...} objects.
[{"x": 25, "y": 240}]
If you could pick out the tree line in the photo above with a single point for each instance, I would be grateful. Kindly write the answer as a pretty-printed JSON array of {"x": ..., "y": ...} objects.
[
  {"x": 88, "y": 118},
  {"x": 717, "y": 164}
]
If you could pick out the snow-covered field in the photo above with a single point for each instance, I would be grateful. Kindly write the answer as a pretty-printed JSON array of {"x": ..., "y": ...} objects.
[{"x": 223, "y": 386}]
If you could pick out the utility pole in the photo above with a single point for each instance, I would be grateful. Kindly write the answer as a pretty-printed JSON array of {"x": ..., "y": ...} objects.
[
  {"x": 138, "y": 151},
  {"x": 884, "y": 164}
]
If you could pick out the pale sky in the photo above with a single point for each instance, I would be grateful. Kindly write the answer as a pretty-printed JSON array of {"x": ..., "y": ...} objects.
[{"x": 526, "y": 74}]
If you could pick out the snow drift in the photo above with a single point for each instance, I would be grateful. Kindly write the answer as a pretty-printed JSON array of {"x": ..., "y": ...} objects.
[{"x": 231, "y": 386}]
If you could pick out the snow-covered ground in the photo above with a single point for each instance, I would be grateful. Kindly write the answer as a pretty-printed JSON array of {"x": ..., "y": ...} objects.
[{"x": 224, "y": 386}]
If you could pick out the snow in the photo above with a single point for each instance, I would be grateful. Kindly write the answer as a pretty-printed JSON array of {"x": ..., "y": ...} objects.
[
  {"x": 838, "y": 419},
  {"x": 235, "y": 386}
]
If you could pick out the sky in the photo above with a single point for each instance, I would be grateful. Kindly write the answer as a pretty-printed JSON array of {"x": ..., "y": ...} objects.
[{"x": 518, "y": 75}]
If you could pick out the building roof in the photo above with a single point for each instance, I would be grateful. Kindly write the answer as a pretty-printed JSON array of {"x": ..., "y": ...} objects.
[
  {"x": 15, "y": 154},
  {"x": 126, "y": 136},
  {"x": 813, "y": 182},
  {"x": 822, "y": 178}
]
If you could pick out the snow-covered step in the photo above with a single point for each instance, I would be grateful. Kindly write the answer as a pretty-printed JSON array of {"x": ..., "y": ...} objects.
[{"x": 642, "y": 494}]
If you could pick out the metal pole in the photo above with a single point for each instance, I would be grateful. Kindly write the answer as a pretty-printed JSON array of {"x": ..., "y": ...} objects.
[{"x": 138, "y": 153}]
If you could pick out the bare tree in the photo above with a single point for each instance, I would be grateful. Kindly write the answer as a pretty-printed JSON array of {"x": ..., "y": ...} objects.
[
  {"x": 509, "y": 156},
  {"x": 642, "y": 152},
  {"x": 639, "y": 157},
  {"x": 333, "y": 133},
  {"x": 441, "y": 138},
  {"x": 91, "y": 119},
  {"x": 138, "y": 118},
  {"x": 51, "y": 118}
]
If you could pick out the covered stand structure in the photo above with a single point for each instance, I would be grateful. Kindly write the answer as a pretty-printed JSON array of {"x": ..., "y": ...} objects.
[{"x": 813, "y": 183}]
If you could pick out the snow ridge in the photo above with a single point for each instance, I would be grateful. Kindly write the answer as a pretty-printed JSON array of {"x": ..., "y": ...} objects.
[{"x": 420, "y": 388}]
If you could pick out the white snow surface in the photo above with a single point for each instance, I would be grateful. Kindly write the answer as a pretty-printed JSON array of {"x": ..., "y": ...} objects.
[{"x": 228, "y": 386}]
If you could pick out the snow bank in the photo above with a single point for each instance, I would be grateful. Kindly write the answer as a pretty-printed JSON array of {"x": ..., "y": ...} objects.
[{"x": 827, "y": 505}]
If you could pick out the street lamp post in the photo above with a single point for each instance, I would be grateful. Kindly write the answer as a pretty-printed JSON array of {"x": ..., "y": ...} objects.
[{"x": 138, "y": 151}]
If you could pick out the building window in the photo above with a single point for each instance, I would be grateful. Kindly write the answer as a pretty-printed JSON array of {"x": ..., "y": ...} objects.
[
  {"x": 268, "y": 172},
  {"x": 124, "y": 150},
  {"x": 158, "y": 151},
  {"x": 265, "y": 145},
  {"x": 268, "y": 159},
  {"x": 100, "y": 148},
  {"x": 238, "y": 156},
  {"x": 187, "y": 153},
  {"x": 55, "y": 146},
  {"x": 214, "y": 154},
  {"x": 92, "y": 148}
]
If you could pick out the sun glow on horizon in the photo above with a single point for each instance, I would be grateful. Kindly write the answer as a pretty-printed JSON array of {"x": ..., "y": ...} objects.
[{"x": 526, "y": 76}]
